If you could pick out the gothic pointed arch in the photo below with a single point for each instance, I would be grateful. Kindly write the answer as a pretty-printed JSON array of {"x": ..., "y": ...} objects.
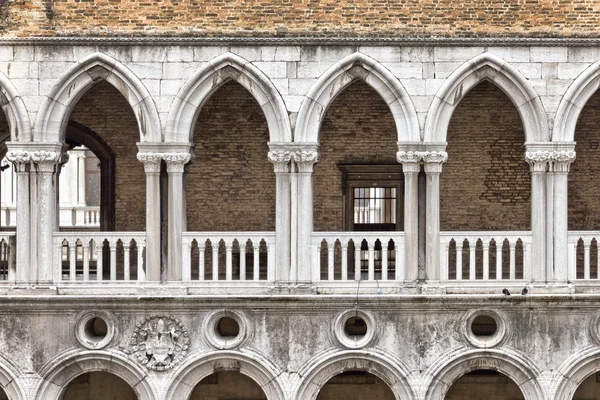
[
  {"x": 451, "y": 366},
  {"x": 337, "y": 78},
  {"x": 492, "y": 68},
  {"x": 317, "y": 372},
  {"x": 574, "y": 100},
  {"x": 253, "y": 365},
  {"x": 57, "y": 374},
  {"x": 14, "y": 108},
  {"x": 53, "y": 117},
  {"x": 208, "y": 79}
]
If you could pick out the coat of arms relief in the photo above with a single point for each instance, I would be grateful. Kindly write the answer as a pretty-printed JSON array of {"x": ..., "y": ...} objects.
[{"x": 160, "y": 342}]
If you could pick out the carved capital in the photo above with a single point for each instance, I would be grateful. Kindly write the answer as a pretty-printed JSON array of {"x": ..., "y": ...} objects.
[
  {"x": 151, "y": 161},
  {"x": 280, "y": 160},
  {"x": 538, "y": 160},
  {"x": 433, "y": 160},
  {"x": 410, "y": 160},
  {"x": 46, "y": 161},
  {"x": 305, "y": 159},
  {"x": 561, "y": 160},
  {"x": 20, "y": 159},
  {"x": 176, "y": 161}
]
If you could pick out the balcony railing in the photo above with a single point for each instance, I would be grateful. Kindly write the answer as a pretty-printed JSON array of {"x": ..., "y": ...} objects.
[
  {"x": 80, "y": 217},
  {"x": 484, "y": 256},
  {"x": 228, "y": 256},
  {"x": 101, "y": 256},
  {"x": 584, "y": 257},
  {"x": 354, "y": 256},
  {"x": 7, "y": 257}
]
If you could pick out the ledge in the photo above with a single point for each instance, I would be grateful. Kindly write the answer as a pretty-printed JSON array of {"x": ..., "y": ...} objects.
[{"x": 299, "y": 41}]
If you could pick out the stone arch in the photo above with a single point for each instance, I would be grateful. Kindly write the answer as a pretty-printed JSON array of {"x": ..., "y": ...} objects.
[
  {"x": 574, "y": 371},
  {"x": 208, "y": 79},
  {"x": 574, "y": 100},
  {"x": 256, "y": 367},
  {"x": 317, "y": 373},
  {"x": 9, "y": 373},
  {"x": 450, "y": 367},
  {"x": 337, "y": 78},
  {"x": 492, "y": 68},
  {"x": 53, "y": 117},
  {"x": 14, "y": 108},
  {"x": 61, "y": 371}
]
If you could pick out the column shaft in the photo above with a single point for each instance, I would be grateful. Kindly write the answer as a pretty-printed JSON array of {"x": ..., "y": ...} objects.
[{"x": 152, "y": 162}]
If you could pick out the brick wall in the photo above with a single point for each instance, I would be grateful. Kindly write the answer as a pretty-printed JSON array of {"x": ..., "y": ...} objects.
[
  {"x": 486, "y": 184},
  {"x": 358, "y": 129},
  {"x": 105, "y": 111},
  {"x": 231, "y": 185},
  {"x": 584, "y": 192},
  {"x": 301, "y": 18}
]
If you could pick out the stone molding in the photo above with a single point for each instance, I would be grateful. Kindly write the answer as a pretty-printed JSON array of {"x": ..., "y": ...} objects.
[
  {"x": 44, "y": 161},
  {"x": 433, "y": 160},
  {"x": 538, "y": 160},
  {"x": 151, "y": 161},
  {"x": 301, "y": 40},
  {"x": 561, "y": 160}
]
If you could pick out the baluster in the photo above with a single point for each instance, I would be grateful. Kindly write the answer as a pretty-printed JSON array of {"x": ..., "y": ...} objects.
[
  {"x": 384, "y": 261},
  {"x": 472, "y": 250},
  {"x": 141, "y": 245},
  {"x": 459, "y": 249},
  {"x": 371, "y": 256},
  {"x": 126, "y": 266},
  {"x": 256, "y": 249},
  {"x": 344, "y": 259},
  {"x": 586, "y": 260},
  {"x": 72, "y": 259},
  {"x": 270, "y": 260},
  {"x": 99, "y": 259},
  {"x": 317, "y": 262},
  {"x": 399, "y": 248},
  {"x": 572, "y": 273},
  {"x": 499, "y": 245},
  {"x": 228, "y": 262},
  {"x": 86, "y": 261},
  {"x": 598, "y": 262},
  {"x": 215, "y": 259},
  {"x": 357, "y": 260},
  {"x": 113, "y": 261},
  {"x": 330, "y": 259},
  {"x": 444, "y": 255},
  {"x": 201, "y": 255},
  {"x": 486, "y": 259},
  {"x": 243, "y": 261},
  {"x": 186, "y": 261},
  {"x": 513, "y": 246}
]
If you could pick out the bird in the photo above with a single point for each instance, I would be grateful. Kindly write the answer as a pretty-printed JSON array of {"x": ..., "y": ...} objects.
[
  {"x": 524, "y": 291},
  {"x": 505, "y": 292}
]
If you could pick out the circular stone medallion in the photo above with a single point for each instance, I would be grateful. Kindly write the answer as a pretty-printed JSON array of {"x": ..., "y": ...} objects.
[{"x": 160, "y": 342}]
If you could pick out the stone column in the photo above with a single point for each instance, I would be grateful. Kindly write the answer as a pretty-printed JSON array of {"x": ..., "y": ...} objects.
[
  {"x": 21, "y": 161},
  {"x": 433, "y": 161},
  {"x": 81, "y": 178},
  {"x": 305, "y": 161},
  {"x": 538, "y": 162},
  {"x": 152, "y": 163},
  {"x": 281, "y": 162},
  {"x": 176, "y": 215},
  {"x": 411, "y": 165},
  {"x": 46, "y": 164},
  {"x": 560, "y": 165}
]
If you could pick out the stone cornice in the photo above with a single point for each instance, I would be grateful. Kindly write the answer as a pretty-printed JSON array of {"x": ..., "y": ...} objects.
[{"x": 298, "y": 41}]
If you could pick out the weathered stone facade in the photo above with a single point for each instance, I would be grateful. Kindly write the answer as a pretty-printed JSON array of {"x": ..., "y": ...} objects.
[{"x": 241, "y": 143}]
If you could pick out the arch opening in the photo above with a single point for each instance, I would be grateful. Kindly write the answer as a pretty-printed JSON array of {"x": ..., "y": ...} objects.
[
  {"x": 231, "y": 180},
  {"x": 98, "y": 385},
  {"x": 589, "y": 389},
  {"x": 355, "y": 385},
  {"x": 484, "y": 384},
  {"x": 228, "y": 385}
]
